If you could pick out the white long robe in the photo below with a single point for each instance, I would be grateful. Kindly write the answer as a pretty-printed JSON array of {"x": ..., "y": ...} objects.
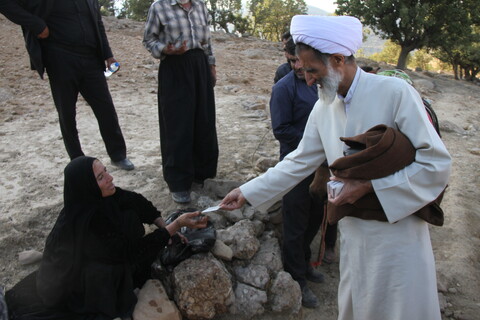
[{"x": 387, "y": 270}]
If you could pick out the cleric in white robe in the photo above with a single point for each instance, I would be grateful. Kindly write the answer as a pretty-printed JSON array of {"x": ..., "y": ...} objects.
[{"x": 387, "y": 269}]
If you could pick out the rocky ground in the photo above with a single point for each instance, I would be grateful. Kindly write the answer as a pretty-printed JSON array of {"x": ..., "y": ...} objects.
[{"x": 32, "y": 155}]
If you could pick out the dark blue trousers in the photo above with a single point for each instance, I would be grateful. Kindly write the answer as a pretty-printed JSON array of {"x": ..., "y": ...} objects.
[{"x": 302, "y": 217}]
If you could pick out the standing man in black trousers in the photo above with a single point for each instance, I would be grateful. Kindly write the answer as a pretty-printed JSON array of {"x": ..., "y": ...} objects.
[
  {"x": 67, "y": 39},
  {"x": 178, "y": 33},
  {"x": 291, "y": 102}
]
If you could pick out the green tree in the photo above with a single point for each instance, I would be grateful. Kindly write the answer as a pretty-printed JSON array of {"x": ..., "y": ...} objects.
[
  {"x": 227, "y": 14},
  {"x": 460, "y": 42},
  {"x": 135, "y": 9},
  {"x": 469, "y": 57},
  {"x": 412, "y": 24},
  {"x": 471, "y": 65},
  {"x": 271, "y": 18},
  {"x": 107, "y": 7},
  {"x": 389, "y": 54},
  {"x": 241, "y": 24},
  {"x": 421, "y": 59}
]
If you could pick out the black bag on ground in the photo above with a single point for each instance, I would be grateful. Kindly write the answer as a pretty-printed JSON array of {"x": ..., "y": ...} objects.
[{"x": 199, "y": 240}]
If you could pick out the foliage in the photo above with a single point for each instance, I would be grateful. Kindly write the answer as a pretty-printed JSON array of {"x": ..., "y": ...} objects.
[
  {"x": 360, "y": 53},
  {"x": 107, "y": 7},
  {"x": 227, "y": 14},
  {"x": 421, "y": 59},
  {"x": 241, "y": 24},
  {"x": 135, "y": 9},
  {"x": 267, "y": 19},
  {"x": 271, "y": 18},
  {"x": 389, "y": 54},
  {"x": 461, "y": 42},
  {"x": 418, "y": 59},
  {"x": 465, "y": 57},
  {"x": 412, "y": 24}
]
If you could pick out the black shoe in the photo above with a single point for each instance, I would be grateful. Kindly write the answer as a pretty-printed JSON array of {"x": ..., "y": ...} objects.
[
  {"x": 314, "y": 275},
  {"x": 309, "y": 299},
  {"x": 181, "y": 196},
  {"x": 124, "y": 164}
]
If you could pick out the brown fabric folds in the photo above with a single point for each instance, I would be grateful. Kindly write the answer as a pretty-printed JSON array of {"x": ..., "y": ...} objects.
[
  {"x": 384, "y": 151},
  {"x": 381, "y": 151},
  {"x": 318, "y": 187},
  {"x": 433, "y": 213}
]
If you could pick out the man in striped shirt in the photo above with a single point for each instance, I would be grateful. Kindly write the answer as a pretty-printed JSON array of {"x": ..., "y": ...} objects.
[{"x": 178, "y": 33}]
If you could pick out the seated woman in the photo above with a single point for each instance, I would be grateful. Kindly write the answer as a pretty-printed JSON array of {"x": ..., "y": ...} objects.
[{"x": 97, "y": 252}]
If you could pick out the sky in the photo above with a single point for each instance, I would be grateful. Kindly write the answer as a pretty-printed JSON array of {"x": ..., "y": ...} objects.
[{"x": 326, "y": 5}]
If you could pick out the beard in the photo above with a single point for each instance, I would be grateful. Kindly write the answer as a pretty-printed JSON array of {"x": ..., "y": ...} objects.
[{"x": 329, "y": 87}]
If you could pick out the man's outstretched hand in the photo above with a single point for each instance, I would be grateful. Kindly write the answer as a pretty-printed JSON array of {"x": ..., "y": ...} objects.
[{"x": 233, "y": 200}]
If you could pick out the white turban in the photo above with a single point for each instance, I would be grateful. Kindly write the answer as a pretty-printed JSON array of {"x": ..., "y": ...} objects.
[{"x": 328, "y": 34}]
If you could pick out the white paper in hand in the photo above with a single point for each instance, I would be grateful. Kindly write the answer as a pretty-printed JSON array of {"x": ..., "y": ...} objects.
[
  {"x": 215, "y": 208},
  {"x": 334, "y": 188}
]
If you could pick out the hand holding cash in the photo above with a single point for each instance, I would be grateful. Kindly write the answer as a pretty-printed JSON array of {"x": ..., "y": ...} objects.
[
  {"x": 334, "y": 188},
  {"x": 215, "y": 208},
  {"x": 347, "y": 190}
]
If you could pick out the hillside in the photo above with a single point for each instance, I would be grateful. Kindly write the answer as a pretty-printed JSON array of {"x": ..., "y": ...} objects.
[{"x": 32, "y": 155}]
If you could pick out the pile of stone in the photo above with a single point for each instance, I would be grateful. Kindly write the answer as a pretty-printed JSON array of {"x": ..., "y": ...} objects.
[{"x": 242, "y": 275}]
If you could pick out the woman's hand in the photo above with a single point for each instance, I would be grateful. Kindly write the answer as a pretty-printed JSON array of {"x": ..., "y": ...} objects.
[
  {"x": 192, "y": 220},
  {"x": 183, "y": 239},
  {"x": 159, "y": 222}
]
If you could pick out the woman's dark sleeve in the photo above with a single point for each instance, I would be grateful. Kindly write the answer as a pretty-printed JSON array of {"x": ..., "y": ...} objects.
[
  {"x": 145, "y": 210},
  {"x": 159, "y": 238}
]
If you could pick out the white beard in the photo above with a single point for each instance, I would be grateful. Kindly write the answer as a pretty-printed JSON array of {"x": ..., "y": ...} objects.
[{"x": 330, "y": 83}]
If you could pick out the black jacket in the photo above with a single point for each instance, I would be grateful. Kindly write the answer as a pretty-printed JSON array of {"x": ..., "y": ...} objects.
[{"x": 32, "y": 14}]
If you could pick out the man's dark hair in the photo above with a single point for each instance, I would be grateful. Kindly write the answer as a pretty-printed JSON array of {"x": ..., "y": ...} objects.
[
  {"x": 320, "y": 55},
  {"x": 286, "y": 36},
  {"x": 290, "y": 47},
  {"x": 367, "y": 68}
]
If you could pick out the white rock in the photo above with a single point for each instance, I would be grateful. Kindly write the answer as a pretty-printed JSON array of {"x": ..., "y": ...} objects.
[
  {"x": 153, "y": 303},
  {"x": 29, "y": 257},
  {"x": 222, "y": 251}
]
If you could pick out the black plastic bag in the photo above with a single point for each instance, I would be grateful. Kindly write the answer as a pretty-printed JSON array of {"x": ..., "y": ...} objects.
[{"x": 199, "y": 240}]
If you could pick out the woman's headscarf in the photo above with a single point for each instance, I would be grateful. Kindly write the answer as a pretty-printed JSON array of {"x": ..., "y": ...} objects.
[
  {"x": 80, "y": 183},
  {"x": 63, "y": 249},
  {"x": 86, "y": 267}
]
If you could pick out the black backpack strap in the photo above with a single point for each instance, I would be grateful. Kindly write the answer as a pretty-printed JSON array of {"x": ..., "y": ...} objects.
[{"x": 432, "y": 115}]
